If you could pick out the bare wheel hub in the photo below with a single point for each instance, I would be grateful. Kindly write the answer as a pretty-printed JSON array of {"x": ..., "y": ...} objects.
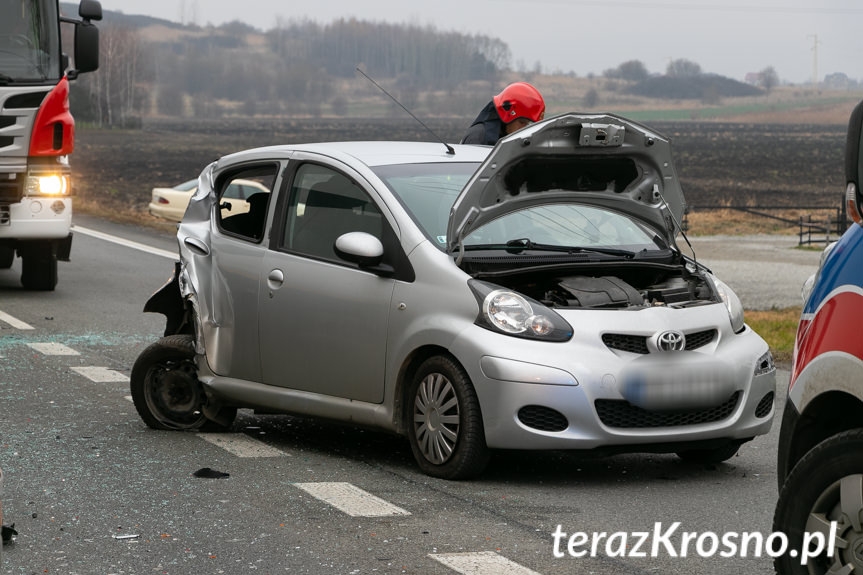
[{"x": 174, "y": 395}]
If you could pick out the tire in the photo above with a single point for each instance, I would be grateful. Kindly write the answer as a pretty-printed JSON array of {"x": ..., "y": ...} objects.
[
  {"x": 825, "y": 485},
  {"x": 714, "y": 455},
  {"x": 7, "y": 257},
  {"x": 39, "y": 268},
  {"x": 166, "y": 391},
  {"x": 449, "y": 444}
]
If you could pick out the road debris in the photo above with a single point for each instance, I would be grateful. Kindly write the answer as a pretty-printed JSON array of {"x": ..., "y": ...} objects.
[{"x": 208, "y": 473}]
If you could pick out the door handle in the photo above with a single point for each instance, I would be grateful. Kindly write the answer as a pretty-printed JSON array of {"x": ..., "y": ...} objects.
[
  {"x": 275, "y": 279},
  {"x": 197, "y": 246}
]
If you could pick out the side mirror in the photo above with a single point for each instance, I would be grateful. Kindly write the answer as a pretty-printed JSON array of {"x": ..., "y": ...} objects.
[
  {"x": 90, "y": 10},
  {"x": 86, "y": 47},
  {"x": 360, "y": 248},
  {"x": 854, "y": 165}
]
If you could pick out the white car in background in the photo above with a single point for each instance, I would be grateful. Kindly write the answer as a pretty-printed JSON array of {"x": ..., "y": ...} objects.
[{"x": 171, "y": 203}]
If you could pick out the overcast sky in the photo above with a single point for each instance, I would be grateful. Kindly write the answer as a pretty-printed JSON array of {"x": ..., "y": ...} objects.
[{"x": 730, "y": 37}]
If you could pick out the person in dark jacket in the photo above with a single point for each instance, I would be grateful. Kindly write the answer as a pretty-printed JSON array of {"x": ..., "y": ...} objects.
[{"x": 515, "y": 107}]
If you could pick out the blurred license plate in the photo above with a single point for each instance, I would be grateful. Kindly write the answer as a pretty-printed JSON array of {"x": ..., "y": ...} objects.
[{"x": 681, "y": 383}]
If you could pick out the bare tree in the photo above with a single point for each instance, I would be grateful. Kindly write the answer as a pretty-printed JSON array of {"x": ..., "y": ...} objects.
[
  {"x": 683, "y": 68},
  {"x": 768, "y": 78}
]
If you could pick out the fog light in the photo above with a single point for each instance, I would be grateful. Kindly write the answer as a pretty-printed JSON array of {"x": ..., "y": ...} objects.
[
  {"x": 58, "y": 207},
  {"x": 764, "y": 364}
]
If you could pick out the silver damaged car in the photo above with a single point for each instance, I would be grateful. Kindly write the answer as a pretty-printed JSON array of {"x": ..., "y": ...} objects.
[{"x": 526, "y": 296}]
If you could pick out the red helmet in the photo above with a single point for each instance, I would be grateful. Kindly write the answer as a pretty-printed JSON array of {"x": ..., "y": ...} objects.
[{"x": 520, "y": 100}]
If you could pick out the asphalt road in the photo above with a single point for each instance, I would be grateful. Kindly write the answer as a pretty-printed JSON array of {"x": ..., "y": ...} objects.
[
  {"x": 765, "y": 271},
  {"x": 82, "y": 470}
]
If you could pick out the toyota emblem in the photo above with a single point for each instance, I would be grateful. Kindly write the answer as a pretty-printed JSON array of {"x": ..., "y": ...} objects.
[{"x": 671, "y": 341}]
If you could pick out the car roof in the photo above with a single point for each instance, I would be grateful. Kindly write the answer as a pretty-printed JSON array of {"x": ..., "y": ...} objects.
[{"x": 371, "y": 153}]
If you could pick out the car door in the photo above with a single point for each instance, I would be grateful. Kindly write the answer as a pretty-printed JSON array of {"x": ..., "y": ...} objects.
[
  {"x": 324, "y": 320},
  {"x": 237, "y": 253}
]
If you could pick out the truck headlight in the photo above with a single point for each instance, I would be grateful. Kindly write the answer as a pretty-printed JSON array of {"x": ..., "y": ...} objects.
[{"x": 48, "y": 185}]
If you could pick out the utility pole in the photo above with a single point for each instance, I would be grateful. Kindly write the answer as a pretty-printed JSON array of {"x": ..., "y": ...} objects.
[{"x": 815, "y": 43}]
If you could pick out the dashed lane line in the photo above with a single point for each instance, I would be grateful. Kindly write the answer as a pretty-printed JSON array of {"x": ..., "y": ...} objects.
[
  {"x": 241, "y": 445},
  {"x": 351, "y": 500},
  {"x": 14, "y": 322},
  {"x": 53, "y": 348},
  {"x": 481, "y": 563},
  {"x": 124, "y": 242},
  {"x": 100, "y": 374}
]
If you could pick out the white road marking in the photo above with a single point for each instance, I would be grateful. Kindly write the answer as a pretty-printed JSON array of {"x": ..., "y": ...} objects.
[
  {"x": 241, "y": 445},
  {"x": 16, "y": 323},
  {"x": 124, "y": 242},
  {"x": 351, "y": 499},
  {"x": 481, "y": 563},
  {"x": 100, "y": 374},
  {"x": 129, "y": 397},
  {"x": 52, "y": 348}
]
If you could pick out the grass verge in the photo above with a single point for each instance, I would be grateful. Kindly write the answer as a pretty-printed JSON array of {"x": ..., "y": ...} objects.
[{"x": 778, "y": 328}]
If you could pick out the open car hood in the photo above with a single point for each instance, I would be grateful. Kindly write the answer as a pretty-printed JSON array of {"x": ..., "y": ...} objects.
[{"x": 596, "y": 159}]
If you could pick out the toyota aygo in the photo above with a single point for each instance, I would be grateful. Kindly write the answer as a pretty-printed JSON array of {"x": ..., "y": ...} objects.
[{"x": 526, "y": 296}]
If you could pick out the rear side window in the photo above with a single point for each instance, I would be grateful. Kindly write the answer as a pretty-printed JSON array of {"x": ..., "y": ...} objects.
[
  {"x": 244, "y": 197},
  {"x": 324, "y": 205}
]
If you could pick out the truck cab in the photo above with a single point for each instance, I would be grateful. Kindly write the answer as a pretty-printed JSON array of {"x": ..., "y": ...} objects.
[{"x": 37, "y": 133}]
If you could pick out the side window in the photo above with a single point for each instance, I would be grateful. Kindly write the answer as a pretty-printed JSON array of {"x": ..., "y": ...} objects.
[
  {"x": 324, "y": 205},
  {"x": 243, "y": 200}
]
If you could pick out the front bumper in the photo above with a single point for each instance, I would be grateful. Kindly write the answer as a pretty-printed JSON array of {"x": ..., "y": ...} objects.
[
  {"x": 36, "y": 218},
  {"x": 574, "y": 399}
]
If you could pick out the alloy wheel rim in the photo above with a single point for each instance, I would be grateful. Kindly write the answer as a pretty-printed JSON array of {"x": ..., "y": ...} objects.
[{"x": 437, "y": 418}]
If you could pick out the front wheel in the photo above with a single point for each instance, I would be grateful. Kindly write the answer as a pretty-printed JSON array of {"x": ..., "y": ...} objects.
[
  {"x": 825, "y": 486},
  {"x": 7, "y": 257},
  {"x": 39, "y": 266},
  {"x": 166, "y": 390},
  {"x": 445, "y": 429}
]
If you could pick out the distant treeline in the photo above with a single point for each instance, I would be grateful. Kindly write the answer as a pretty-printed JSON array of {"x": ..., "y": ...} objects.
[{"x": 296, "y": 68}]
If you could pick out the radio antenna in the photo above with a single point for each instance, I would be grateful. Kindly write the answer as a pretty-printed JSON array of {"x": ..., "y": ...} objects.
[{"x": 449, "y": 149}]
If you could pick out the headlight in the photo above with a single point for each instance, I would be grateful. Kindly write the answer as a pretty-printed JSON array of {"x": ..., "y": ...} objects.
[
  {"x": 732, "y": 303},
  {"x": 48, "y": 185},
  {"x": 508, "y": 312}
]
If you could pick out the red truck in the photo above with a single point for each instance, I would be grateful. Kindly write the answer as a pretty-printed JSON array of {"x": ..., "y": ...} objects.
[{"x": 37, "y": 132}]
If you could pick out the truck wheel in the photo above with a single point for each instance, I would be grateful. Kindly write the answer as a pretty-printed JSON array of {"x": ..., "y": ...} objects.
[
  {"x": 39, "y": 267},
  {"x": 166, "y": 391},
  {"x": 7, "y": 256}
]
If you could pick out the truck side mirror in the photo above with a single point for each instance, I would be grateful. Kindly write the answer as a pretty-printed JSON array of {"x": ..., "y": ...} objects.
[
  {"x": 86, "y": 47},
  {"x": 854, "y": 165}
]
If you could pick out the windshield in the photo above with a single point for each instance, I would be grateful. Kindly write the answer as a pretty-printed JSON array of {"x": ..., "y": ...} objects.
[
  {"x": 29, "y": 41},
  {"x": 564, "y": 226},
  {"x": 428, "y": 191}
]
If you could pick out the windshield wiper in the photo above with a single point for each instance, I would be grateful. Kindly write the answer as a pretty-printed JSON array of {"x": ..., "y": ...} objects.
[
  {"x": 6, "y": 79},
  {"x": 521, "y": 244}
]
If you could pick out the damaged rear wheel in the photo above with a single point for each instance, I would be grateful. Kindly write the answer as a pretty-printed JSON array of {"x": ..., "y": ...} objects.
[{"x": 166, "y": 390}]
